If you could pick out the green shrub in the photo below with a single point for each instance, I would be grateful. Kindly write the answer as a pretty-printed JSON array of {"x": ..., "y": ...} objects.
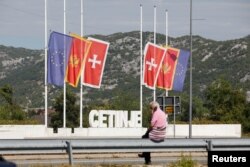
[
  {"x": 11, "y": 112},
  {"x": 185, "y": 161},
  {"x": 19, "y": 122}
]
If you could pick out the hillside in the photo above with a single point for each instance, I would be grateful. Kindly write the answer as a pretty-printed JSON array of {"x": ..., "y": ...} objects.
[{"x": 24, "y": 69}]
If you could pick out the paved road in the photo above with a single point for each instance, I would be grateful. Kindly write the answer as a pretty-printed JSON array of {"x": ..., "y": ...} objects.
[{"x": 161, "y": 159}]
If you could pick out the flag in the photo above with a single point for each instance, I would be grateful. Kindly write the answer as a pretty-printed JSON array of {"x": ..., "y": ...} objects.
[
  {"x": 181, "y": 69},
  {"x": 78, "y": 53},
  {"x": 166, "y": 74},
  {"x": 153, "y": 57},
  {"x": 95, "y": 62},
  {"x": 58, "y": 53}
]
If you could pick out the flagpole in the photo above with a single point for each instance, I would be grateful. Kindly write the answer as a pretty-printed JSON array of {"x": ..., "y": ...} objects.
[
  {"x": 141, "y": 61},
  {"x": 81, "y": 86},
  {"x": 191, "y": 75},
  {"x": 166, "y": 37},
  {"x": 154, "y": 41},
  {"x": 64, "y": 85},
  {"x": 45, "y": 65}
]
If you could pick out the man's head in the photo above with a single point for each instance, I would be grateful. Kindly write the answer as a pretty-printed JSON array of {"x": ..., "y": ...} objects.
[{"x": 154, "y": 105}]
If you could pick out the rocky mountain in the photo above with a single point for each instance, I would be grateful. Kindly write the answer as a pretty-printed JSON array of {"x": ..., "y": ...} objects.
[{"x": 24, "y": 68}]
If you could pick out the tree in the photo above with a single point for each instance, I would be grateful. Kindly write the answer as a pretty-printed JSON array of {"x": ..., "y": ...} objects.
[
  {"x": 199, "y": 111},
  {"x": 9, "y": 110},
  {"x": 72, "y": 111},
  {"x": 246, "y": 119},
  {"x": 124, "y": 101},
  {"x": 224, "y": 102},
  {"x": 7, "y": 93}
]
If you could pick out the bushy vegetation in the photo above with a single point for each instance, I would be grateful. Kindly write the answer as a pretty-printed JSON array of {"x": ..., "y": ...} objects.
[
  {"x": 185, "y": 161},
  {"x": 221, "y": 103},
  {"x": 72, "y": 119},
  {"x": 10, "y": 112},
  {"x": 72, "y": 109}
]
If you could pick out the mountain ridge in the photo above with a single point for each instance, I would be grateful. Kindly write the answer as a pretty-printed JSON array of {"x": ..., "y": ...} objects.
[{"x": 24, "y": 68}]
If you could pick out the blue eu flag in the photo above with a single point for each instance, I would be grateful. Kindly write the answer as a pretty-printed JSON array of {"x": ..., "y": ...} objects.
[
  {"x": 180, "y": 72},
  {"x": 58, "y": 55}
]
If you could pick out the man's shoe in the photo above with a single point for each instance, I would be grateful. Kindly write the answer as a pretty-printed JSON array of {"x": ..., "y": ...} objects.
[
  {"x": 148, "y": 163},
  {"x": 141, "y": 155}
]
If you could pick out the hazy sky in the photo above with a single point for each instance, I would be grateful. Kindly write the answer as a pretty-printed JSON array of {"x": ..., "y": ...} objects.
[{"x": 22, "y": 21}]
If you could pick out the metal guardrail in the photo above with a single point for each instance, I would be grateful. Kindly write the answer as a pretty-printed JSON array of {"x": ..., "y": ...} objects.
[{"x": 25, "y": 146}]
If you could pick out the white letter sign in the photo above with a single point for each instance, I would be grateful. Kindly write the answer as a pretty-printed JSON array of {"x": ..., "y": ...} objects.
[{"x": 114, "y": 119}]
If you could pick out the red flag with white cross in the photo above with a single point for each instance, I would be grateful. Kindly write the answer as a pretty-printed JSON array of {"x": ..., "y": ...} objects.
[
  {"x": 153, "y": 57},
  {"x": 95, "y": 62}
]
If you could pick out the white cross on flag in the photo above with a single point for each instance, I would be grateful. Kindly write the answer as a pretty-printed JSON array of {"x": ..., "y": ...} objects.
[
  {"x": 153, "y": 57},
  {"x": 95, "y": 62}
]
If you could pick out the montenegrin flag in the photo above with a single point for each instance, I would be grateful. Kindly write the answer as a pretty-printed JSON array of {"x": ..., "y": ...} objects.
[
  {"x": 168, "y": 67},
  {"x": 58, "y": 53},
  {"x": 153, "y": 57},
  {"x": 95, "y": 62},
  {"x": 181, "y": 69},
  {"x": 79, "y": 50}
]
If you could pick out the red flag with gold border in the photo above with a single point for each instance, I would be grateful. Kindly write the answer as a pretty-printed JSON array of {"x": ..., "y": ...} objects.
[
  {"x": 79, "y": 50},
  {"x": 166, "y": 74}
]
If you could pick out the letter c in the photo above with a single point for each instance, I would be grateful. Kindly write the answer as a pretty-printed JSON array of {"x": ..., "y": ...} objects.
[{"x": 92, "y": 122}]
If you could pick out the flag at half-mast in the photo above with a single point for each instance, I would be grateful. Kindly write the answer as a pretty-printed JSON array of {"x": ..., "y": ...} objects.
[
  {"x": 181, "y": 69},
  {"x": 79, "y": 50},
  {"x": 153, "y": 57},
  {"x": 58, "y": 53},
  {"x": 168, "y": 67},
  {"x": 95, "y": 62}
]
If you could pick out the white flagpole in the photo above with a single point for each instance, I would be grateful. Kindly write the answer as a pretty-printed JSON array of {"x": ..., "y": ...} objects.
[
  {"x": 141, "y": 78},
  {"x": 166, "y": 37},
  {"x": 81, "y": 86},
  {"x": 154, "y": 41},
  {"x": 64, "y": 85},
  {"x": 191, "y": 73},
  {"x": 45, "y": 65}
]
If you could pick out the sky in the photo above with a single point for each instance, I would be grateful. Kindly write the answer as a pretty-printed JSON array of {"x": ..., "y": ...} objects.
[{"x": 22, "y": 22}]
